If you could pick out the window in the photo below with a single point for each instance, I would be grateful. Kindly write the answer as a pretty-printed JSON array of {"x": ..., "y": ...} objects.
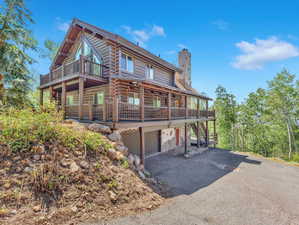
[
  {"x": 87, "y": 49},
  {"x": 150, "y": 72},
  {"x": 133, "y": 99},
  {"x": 126, "y": 63},
  {"x": 70, "y": 100},
  {"x": 78, "y": 53},
  {"x": 193, "y": 103},
  {"x": 157, "y": 102},
  {"x": 99, "y": 98}
]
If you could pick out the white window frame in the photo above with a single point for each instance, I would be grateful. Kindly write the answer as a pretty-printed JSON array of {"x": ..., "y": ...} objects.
[
  {"x": 150, "y": 68},
  {"x": 157, "y": 102},
  {"x": 134, "y": 99},
  {"x": 96, "y": 98},
  {"x": 127, "y": 63}
]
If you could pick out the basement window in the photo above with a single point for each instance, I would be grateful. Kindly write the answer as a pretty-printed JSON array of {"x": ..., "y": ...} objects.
[
  {"x": 99, "y": 98},
  {"x": 126, "y": 63},
  {"x": 133, "y": 99}
]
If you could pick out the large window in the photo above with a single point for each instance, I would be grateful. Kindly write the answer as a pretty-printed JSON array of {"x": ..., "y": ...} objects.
[
  {"x": 99, "y": 98},
  {"x": 150, "y": 72},
  {"x": 70, "y": 100},
  {"x": 193, "y": 103},
  {"x": 126, "y": 63},
  {"x": 133, "y": 99},
  {"x": 157, "y": 102}
]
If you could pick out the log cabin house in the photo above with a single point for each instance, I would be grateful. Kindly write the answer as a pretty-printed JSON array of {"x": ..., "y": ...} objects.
[{"x": 101, "y": 77}]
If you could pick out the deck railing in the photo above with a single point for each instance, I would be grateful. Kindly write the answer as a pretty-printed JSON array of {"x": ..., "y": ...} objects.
[{"x": 81, "y": 66}]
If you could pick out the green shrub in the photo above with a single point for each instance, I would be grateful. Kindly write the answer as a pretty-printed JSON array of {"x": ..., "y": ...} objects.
[
  {"x": 20, "y": 129},
  {"x": 295, "y": 157}
]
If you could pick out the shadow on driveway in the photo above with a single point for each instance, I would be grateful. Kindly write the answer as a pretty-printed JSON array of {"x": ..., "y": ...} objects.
[{"x": 186, "y": 176}]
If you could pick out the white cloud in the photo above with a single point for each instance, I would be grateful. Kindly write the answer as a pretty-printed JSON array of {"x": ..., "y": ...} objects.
[
  {"x": 221, "y": 24},
  {"x": 292, "y": 37},
  {"x": 256, "y": 55},
  {"x": 62, "y": 25},
  {"x": 144, "y": 35},
  {"x": 170, "y": 52},
  {"x": 182, "y": 46}
]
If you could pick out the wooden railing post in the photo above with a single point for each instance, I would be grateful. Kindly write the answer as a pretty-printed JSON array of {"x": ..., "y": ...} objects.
[
  {"x": 115, "y": 109},
  {"x": 51, "y": 93},
  {"x": 197, "y": 134},
  {"x": 207, "y": 108},
  {"x": 207, "y": 132},
  {"x": 169, "y": 106},
  {"x": 81, "y": 92},
  {"x": 90, "y": 111},
  {"x": 141, "y": 97},
  {"x": 186, "y": 139},
  {"x": 142, "y": 146},
  {"x": 63, "y": 97}
]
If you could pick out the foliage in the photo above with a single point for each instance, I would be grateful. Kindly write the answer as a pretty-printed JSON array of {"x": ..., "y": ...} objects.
[
  {"x": 15, "y": 42},
  {"x": 266, "y": 123},
  {"x": 21, "y": 129},
  {"x": 51, "y": 48}
]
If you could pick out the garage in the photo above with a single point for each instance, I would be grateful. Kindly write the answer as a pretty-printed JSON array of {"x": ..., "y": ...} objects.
[{"x": 152, "y": 142}]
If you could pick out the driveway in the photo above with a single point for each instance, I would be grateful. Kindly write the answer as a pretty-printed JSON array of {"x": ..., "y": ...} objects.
[{"x": 224, "y": 188}]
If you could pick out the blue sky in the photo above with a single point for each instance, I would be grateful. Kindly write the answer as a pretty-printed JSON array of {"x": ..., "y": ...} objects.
[{"x": 237, "y": 44}]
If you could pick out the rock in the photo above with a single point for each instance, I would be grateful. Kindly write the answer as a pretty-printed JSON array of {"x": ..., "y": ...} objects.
[
  {"x": 28, "y": 169},
  {"x": 19, "y": 169},
  {"x": 7, "y": 185},
  {"x": 65, "y": 163},
  {"x": 112, "y": 154},
  {"x": 112, "y": 196},
  {"x": 99, "y": 128},
  {"x": 152, "y": 181},
  {"x": 39, "y": 148},
  {"x": 84, "y": 164},
  {"x": 37, "y": 208},
  {"x": 136, "y": 160},
  {"x": 115, "y": 136},
  {"x": 17, "y": 158},
  {"x": 36, "y": 157},
  {"x": 70, "y": 121},
  {"x": 146, "y": 173},
  {"x": 74, "y": 167},
  {"x": 119, "y": 156},
  {"x": 142, "y": 176},
  {"x": 131, "y": 159},
  {"x": 123, "y": 149},
  {"x": 74, "y": 209},
  {"x": 13, "y": 212},
  {"x": 78, "y": 153}
]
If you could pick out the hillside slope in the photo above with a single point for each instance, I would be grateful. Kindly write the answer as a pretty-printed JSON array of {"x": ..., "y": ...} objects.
[{"x": 56, "y": 173}]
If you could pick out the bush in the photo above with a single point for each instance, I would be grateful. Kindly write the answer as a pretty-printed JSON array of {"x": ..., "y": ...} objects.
[
  {"x": 20, "y": 129},
  {"x": 295, "y": 157}
]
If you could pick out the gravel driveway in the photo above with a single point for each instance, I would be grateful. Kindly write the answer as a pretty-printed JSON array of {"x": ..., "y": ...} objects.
[{"x": 223, "y": 188}]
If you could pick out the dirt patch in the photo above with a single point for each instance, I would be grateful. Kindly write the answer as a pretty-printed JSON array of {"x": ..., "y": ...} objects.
[{"x": 53, "y": 185}]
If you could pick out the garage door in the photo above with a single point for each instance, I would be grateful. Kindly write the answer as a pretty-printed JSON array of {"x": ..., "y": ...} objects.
[{"x": 152, "y": 142}]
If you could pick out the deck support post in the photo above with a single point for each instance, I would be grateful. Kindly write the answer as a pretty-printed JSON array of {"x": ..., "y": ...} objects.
[
  {"x": 197, "y": 134},
  {"x": 90, "y": 111},
  {"x": 207, "y": 133},
  {"x": 115, "y": 109},
  {"x": 197, "y": 113},
  {"x": 186, "y": 107},
  {"x": 51, "y": 93},
  {"x": 186, "y": 139},
  {"x": 104, "y": 110},
  {"x": 169, "y": 106},
  {"x": 63, "y": 98},
  {"x": 141, "y": 97},
  {"x": 81, "y": 91},
  {"x": 142, "y": 146},
  {"x": 41, "y": 96}
]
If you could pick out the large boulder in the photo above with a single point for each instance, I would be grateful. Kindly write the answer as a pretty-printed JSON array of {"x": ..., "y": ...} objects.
[
  {"x": 96, "y": 127},
  {"x": 131, "y": 159},
  {"x": 112, "y": 154},
  {"x": 115, "y": 136},
  {"x": 123, "y": 149}
]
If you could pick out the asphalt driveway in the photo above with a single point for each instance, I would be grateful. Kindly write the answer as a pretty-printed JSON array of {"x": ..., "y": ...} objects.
[{"x": 223, "y": 188}]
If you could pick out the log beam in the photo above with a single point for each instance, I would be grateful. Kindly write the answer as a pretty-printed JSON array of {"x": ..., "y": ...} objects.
[
  {"x": 81, "y": 92},
  {"x": 142, "y": 146}
]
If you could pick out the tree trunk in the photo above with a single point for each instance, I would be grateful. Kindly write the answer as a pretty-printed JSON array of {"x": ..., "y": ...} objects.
[{"x": 290, "y": 139}]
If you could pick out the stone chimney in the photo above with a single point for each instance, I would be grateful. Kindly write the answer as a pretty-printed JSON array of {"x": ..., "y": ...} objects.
[{"x": 185, "y": 65}]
